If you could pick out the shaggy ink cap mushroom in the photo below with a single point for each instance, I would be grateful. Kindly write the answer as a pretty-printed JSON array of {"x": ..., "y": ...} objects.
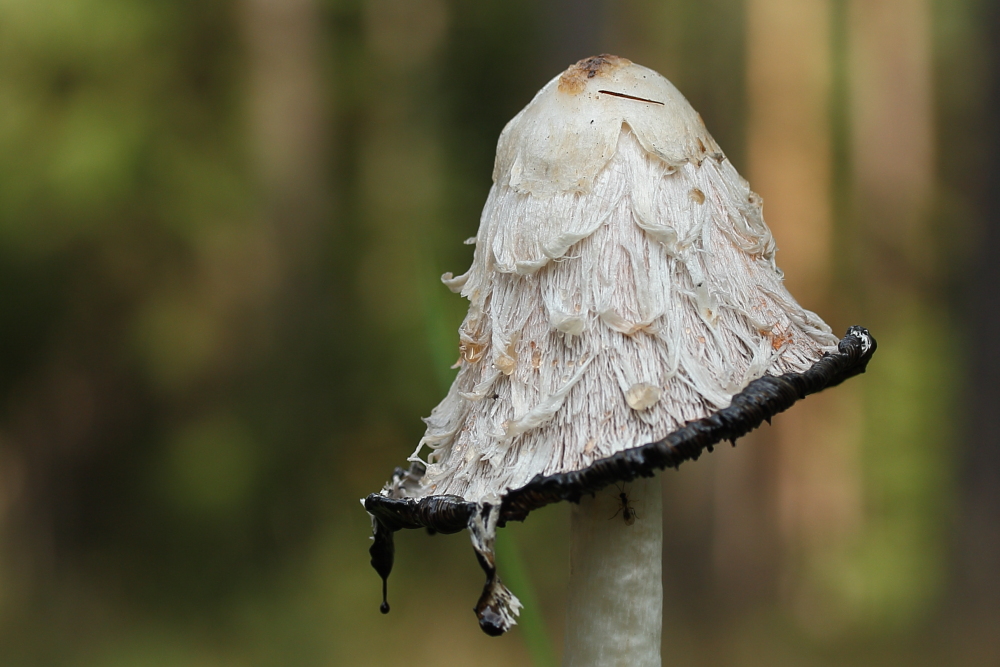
[{"x": 625, "y": 313}]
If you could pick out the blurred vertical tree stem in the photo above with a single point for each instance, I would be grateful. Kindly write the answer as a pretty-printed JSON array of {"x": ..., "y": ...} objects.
[
  {"x": 979, "y": 544},
  {"x": 908, "y": 403},
  {"x": 286, "y": 100},
  {"x": 817, "y": 493}
]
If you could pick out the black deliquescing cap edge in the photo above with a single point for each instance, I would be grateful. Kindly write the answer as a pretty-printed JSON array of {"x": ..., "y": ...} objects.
[{"x": 758, "y": 402}]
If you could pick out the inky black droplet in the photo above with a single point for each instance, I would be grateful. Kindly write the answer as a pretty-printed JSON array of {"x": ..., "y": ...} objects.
[
  {"x": 491, "y": 622},
  {"x": 383, "y": 553}
]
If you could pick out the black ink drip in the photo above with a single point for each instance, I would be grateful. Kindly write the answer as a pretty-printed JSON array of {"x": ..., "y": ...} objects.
[
  {"x": 439, "y": 514},
  {"x": 383, "y": 552}
]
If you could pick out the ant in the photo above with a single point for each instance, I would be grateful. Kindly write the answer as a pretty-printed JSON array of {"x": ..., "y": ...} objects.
[{"x": 625, "y": 507}]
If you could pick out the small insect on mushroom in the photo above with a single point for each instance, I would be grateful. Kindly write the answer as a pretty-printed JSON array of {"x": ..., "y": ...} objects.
[{"x": 625, "y": 507}]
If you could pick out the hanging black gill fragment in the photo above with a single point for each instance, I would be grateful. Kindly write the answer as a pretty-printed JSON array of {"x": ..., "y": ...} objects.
[{"x": 497, "y": 606}]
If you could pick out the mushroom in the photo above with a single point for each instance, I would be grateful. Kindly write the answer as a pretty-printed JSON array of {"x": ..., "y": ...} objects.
[{"x": 626, "y": 313}]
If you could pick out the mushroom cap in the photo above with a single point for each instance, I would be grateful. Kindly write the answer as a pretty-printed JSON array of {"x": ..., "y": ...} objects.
[{"x": 623, "y": 284}]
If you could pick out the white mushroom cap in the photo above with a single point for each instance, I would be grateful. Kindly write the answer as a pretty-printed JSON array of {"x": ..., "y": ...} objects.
[{"x": 623, "y": 284}]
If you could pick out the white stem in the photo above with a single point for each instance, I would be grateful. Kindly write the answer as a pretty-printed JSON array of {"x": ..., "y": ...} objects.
[{"x": 615, "y": 602}]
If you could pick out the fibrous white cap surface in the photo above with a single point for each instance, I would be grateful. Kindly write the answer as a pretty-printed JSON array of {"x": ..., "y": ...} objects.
[{"x": 623, "y": 284}]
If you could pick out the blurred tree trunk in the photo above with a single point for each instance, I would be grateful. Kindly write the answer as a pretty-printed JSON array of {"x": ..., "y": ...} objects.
[
  {"x": 979, "y": 542},
  {"x": 816, "y": 464},
  {"x": 287, "y": 104},
  {"x": 896, "y": 260},
  {"x": 288, "y": 111}
]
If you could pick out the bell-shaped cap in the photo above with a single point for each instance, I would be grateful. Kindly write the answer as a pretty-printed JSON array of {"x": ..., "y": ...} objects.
[{"x": 625, "y": 313}]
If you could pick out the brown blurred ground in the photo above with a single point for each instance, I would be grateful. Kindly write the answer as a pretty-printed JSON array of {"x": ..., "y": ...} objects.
[{"x": 221, "y": 229}]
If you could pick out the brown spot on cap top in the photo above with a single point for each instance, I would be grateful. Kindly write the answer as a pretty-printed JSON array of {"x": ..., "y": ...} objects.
[{"x": 574, "y": 79}]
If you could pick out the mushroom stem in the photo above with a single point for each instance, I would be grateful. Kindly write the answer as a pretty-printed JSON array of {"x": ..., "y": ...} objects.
[{"x": 615, "y": 605}]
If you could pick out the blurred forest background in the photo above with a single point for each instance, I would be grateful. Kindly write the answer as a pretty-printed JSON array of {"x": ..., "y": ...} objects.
[{"x": 222, "y": 224}]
